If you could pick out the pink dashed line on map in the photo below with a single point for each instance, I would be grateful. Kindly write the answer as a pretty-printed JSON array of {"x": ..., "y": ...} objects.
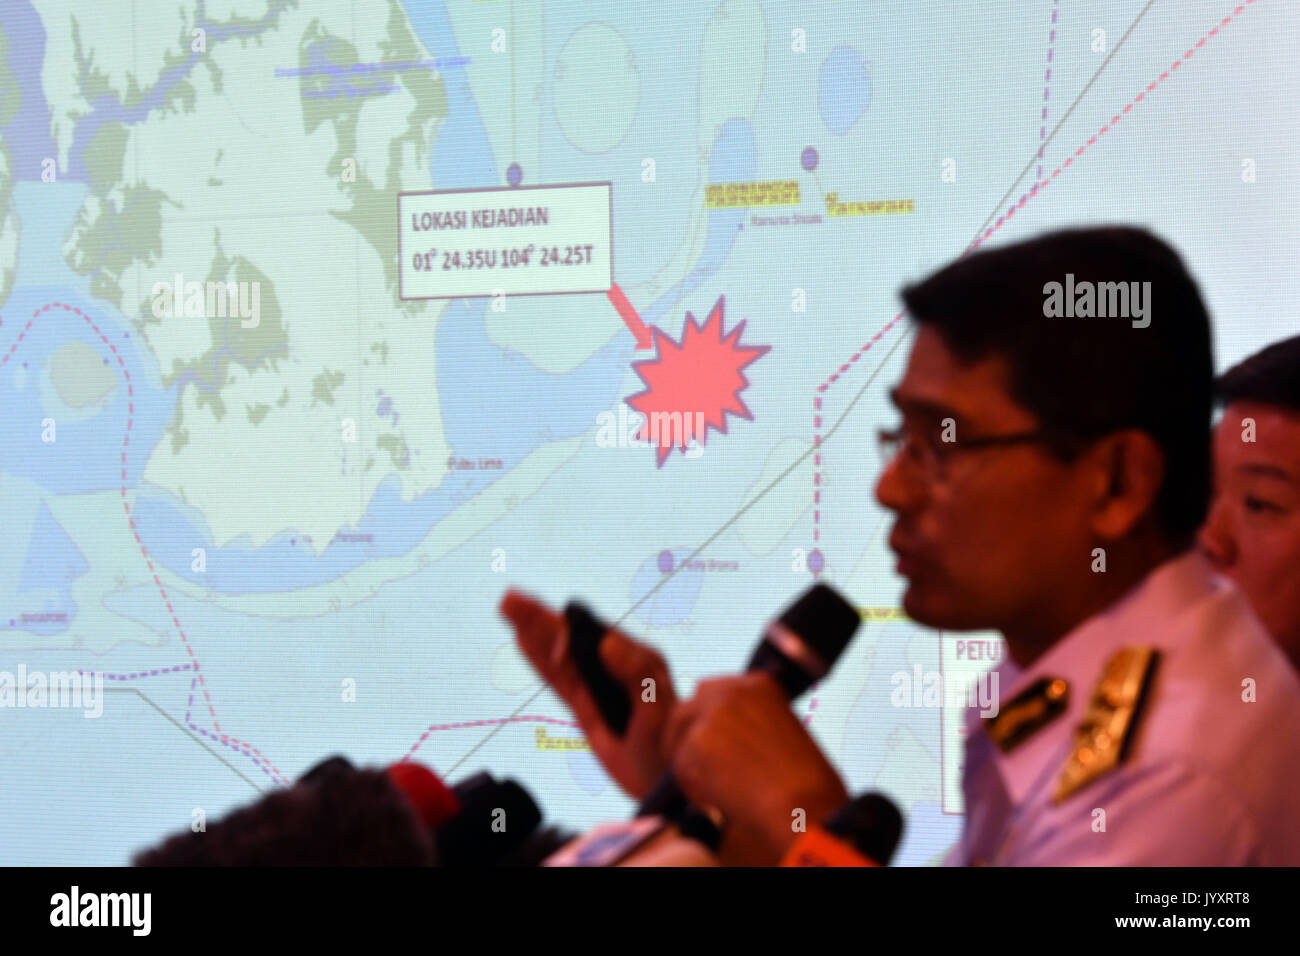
[
  {"x": 1039, "y": 185},
  {"x": 1005, "y": 217},
  {"x": 492, "y": 722},
  {"x": 1047, "y": 86},
  {"x": 150, "y": 673},
  {"x": 215, "y": 734},
  {"x": 197, "y": 682}
]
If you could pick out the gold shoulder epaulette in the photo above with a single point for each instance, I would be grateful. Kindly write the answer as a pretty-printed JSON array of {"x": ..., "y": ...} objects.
[
  {"x": 1032, "y": 708},
  {"x": 1102, "y": 737}
]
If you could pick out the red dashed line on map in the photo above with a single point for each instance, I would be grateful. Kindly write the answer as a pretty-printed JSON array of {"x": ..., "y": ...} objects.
[
  {"x": 494, "y": 722},
  {"x": 215, "y": 734},
  {"x": 1041, "y": 184},
  {"x": 197, "y": 682}
]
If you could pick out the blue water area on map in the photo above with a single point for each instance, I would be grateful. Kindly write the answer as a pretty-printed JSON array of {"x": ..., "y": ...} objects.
[
  {"x": 53, "y": 562},
  {"x": 462, "y": 155},
  {"x": 731, "y": 160},
  {"x": 672, "y": 603},
  {"x": 47, "y": 212},
  {"x": 588, "y": 772},
  {"x": 27, "y": 135},
  {"x": 109, "y": 109},
  {"x": 843, "y": 90},
  {"x": 84, "y": 455}
]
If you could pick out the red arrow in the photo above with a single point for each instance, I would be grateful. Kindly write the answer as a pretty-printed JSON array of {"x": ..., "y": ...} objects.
[{"x": 630, "y": 318}]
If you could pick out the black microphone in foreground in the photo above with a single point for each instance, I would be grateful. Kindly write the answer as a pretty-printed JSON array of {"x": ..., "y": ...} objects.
[
  {"x": 337, "y": 814},
  {"x": 798, "y": 649},
  {"x": 871, "y": 824},
  {"x": 863, "y": 832},
  {"x": 480, "y": 821},
  {"x": 498, "y": 824}
]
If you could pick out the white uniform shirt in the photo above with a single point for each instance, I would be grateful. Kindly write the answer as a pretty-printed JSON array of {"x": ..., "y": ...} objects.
[{"x": 1209, "y": 778}]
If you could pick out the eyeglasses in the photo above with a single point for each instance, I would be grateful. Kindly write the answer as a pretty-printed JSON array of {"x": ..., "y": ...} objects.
[{"x": 930, "y": 456}]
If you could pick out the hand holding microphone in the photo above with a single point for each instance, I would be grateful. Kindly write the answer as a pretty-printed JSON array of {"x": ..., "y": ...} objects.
[{"x": 740, "y": 749}]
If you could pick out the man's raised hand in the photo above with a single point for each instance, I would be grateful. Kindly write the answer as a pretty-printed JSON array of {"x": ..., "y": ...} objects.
[{"x": 636, "y": 760}]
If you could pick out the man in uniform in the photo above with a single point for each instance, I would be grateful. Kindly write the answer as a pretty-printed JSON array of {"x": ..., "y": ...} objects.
[
  {"x": 1252, "y": 534},
  {"x": 1048, "y": 478}
]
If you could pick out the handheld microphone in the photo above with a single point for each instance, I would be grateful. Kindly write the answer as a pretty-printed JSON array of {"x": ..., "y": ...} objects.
[
  {"x": 798, "y": 649},
  {"x": 340, "y": 815},
  {"x": 871, "y": 824},
  {"x": 431, "y": 799},
  {"x": 495, "y": 819},
  {"x": 864, "y": 832},
  {"x": 470, "y": 821}
]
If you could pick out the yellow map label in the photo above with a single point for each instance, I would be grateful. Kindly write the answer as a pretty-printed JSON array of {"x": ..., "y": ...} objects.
[
  {"x": 883, "y": 614},
  {"x": 879, "y": 207},
  {"x": 776, "y": 192},
  {"x": 546, "y": 742}
]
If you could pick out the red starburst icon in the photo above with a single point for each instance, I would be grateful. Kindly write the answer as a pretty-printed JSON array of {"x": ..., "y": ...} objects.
[{"x": 692, "y": 386}]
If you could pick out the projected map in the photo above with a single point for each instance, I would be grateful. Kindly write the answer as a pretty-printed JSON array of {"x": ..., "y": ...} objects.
[{"x": 323, "y": 323}]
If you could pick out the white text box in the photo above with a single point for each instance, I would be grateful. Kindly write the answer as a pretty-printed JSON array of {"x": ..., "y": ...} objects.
[{"x": 521, "y": 240}]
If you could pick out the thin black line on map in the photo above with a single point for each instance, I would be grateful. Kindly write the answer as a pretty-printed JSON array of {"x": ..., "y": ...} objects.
[
  {"x": 185, "y": 730},
  {"x": 669, "y": 575},
  {"x": 861, "y": 391},
  {"x": 1064, "y": 116}
]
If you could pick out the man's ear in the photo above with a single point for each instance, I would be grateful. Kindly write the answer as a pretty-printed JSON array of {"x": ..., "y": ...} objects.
[{"x": 1129, "y": 468}]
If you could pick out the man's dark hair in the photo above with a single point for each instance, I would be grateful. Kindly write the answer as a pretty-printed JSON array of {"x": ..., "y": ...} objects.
[
  {"x": 1087, "y": 377},
  {"x": 335, "y": 815},
  {"x": 1271, "y": 377}
]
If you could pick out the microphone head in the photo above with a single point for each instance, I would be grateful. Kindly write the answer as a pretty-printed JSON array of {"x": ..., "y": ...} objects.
[
  {"x": 432, "y": 800},
  {"x": 824, "y": 620},
  {"x": 496, "y": 819},
  {"x": 804, "y": 643},
  {"x": 872, "y": 824}
]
